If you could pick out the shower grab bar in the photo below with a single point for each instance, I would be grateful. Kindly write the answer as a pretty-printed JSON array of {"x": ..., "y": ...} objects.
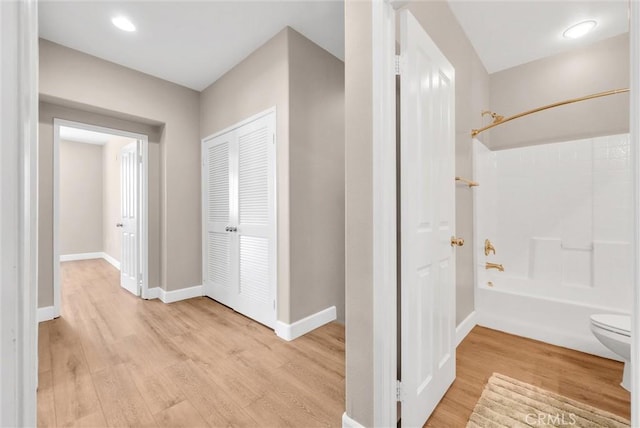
[{"x": 469, "y": 183}]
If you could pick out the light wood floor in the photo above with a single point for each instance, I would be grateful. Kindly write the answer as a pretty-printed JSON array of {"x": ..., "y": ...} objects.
[
  {"x": 583, "y": 377},
  {"x": 115, "y": 360}
]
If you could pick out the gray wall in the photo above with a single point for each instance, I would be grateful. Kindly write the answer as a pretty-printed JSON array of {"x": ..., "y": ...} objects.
[
  {"x": 316, "y": 178},
  {"x": 73, "y": 78},
  {"x": 81, "y": 192},
  {"x": 359, "y": 211},
  {"x": 472, "y": 95},
  {"x": 49, "y": 111},
  {"x": 289, "y": 71},
  {"x": 596, "y": 68}
]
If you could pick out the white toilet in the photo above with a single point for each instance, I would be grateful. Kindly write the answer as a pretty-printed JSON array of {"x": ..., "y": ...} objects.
[{"x": 614, "y": 332}]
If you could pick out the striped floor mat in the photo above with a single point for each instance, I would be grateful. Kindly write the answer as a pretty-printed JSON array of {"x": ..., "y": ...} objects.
[{"x": 506, "y": 402}]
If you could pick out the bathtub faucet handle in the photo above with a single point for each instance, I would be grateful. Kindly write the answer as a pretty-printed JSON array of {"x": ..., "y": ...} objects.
[{"x": 488, "y": 247}]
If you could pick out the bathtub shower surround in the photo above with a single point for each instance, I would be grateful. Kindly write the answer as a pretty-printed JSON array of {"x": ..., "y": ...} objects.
[{"x": 560, "y": 218}]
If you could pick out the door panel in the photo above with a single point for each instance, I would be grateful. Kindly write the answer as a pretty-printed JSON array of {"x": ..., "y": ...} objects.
[
  {"x": 253, "y": 176},
  {"x": 427, "y": 217},
  {"x": 254, "y": 269},
  {"x": 218, "y": 178},
  {"x": 219, "y": 263},
  {"x": 129, "y": 214}
]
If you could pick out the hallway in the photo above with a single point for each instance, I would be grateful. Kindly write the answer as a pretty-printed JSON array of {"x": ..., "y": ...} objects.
[{"x": 113, "y": 359}]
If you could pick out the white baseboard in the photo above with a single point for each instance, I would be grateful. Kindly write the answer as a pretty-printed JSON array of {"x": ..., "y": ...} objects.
[
  {"x": 182, "y": 294},
  {"x": 465, "y": 327},
  {"x": 305, "y": 325},
  {"x": 114, "y": 262},
  {"x": 90, "y": 256},
  {"x": 348, "y": 422},
  {"x": 47, "y": 313},
  {"x": 152, "y": 293},
  {"x": 175, "y": 295},
  {"x": 81, "y": 256}
]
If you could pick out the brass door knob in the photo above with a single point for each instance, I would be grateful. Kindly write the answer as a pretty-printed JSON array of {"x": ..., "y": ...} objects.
[{"x": 457, "y": 242}]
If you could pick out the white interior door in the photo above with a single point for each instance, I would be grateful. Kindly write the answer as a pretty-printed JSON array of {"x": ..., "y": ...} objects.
[
  {"x": 240, "y": 219},
  {"x": 130, "y": 273},
  {"x": 427, "y": 223}
]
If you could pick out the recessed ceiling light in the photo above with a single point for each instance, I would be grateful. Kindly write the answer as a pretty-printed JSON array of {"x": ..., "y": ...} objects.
[
  {"x": 579, "y": 29},
  {"x": 123, "y": 23}
]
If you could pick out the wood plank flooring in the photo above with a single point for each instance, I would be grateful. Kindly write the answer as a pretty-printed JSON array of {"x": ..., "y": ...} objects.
[
  {"x": 583, "y": 377},
  {"x": 113, "y": 359}
]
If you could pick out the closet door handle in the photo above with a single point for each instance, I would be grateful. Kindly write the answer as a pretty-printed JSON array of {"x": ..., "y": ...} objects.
[
  {"x": 234, "y": 229},
  {"x": 228, "y": 229}
]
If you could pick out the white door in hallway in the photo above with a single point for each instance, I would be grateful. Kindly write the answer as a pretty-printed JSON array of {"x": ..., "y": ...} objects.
[
  {"x": 427, "y": 223},
  {"x": 130, "y": 271},
  {"x": 239, "y": 220}
]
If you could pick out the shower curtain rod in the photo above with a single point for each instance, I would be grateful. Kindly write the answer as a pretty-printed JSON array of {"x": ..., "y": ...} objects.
[{"x": 499, "y": 120}]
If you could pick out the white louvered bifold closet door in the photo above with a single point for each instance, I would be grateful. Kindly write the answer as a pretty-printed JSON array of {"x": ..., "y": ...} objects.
[
  {"x": 256, "y": 220},
  {"x": 218, "y": 215},
  {"x": 239, "y": 205}
]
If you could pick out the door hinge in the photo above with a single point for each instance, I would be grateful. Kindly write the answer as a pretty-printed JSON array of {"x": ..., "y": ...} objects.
[
  {"x": 273, "y": 138},
  {"x": 397, "y": 65},
  {"x": 398, "y": 390}
]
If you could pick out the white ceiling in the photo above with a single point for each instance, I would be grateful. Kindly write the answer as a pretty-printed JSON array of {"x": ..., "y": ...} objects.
[
  {"x": 510, "y": 33},
  {"x": 83, "y": 136},
  {"x": 191, "y": 43}
]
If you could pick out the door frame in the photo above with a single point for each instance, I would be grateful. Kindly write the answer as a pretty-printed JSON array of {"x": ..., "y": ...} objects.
[
  {"x": 384, "y": 198},
  {"x": 143, "y": 199},
  {"x": 18, "y": 218},
  {"x": 634, "y": 125},
  {"x": 203, "y": 211}
]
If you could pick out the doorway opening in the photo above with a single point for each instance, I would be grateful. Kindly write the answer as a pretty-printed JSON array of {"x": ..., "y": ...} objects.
[{"x": 100, "y": 202}]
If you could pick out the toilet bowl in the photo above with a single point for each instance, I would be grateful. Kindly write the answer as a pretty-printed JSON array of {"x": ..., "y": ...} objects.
[{"x": 614, "y": 332}]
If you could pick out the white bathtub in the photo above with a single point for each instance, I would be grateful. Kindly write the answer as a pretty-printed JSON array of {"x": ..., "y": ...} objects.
[{"x": 560, "y": 222}]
